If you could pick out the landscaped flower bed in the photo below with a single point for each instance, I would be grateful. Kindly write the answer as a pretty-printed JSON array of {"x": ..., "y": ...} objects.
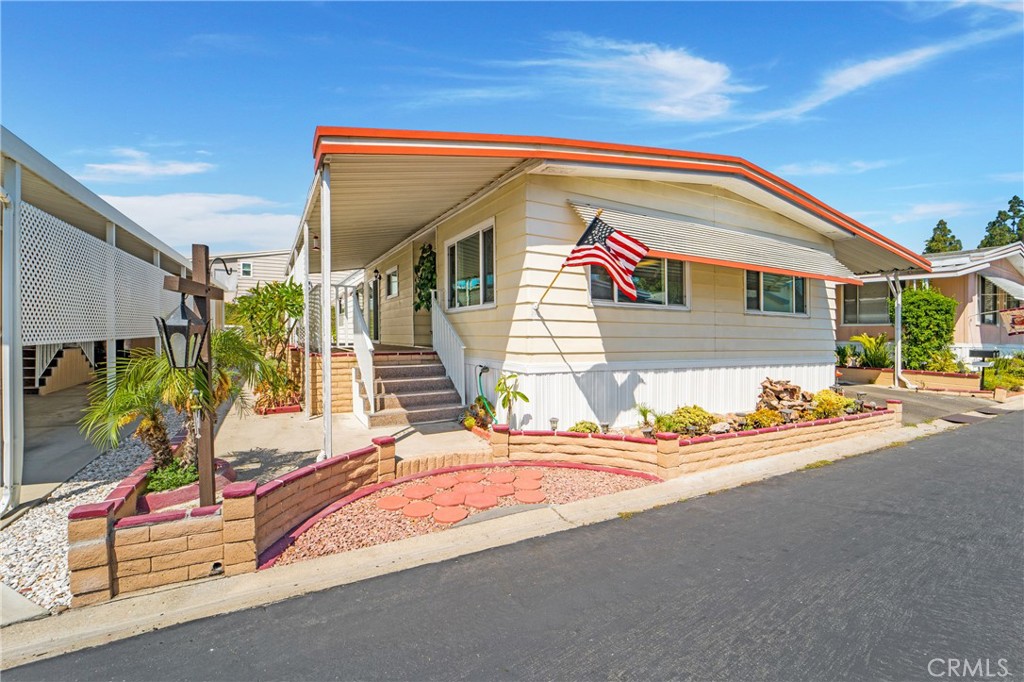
[{"x": 377, "y": 518}]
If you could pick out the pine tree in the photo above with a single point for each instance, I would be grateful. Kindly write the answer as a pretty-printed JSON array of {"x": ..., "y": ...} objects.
[
  {"x": 1016, "y": 210},
  {"x": 942, "y": 240},
  {"x": 998, "y": 232},
  {"x": 1008, "y": 227}
]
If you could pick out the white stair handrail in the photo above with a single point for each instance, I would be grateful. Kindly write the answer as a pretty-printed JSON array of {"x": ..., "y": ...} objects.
[
  {"x": 363, "y": 346},
  {"x": 45, "y": 353},
  {"x": 449, "y": 346}
]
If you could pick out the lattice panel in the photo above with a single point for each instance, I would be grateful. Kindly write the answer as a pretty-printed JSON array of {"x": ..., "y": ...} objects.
[
  {"x": 77, "y": 288},
  {"x": 314, "y": 318}
]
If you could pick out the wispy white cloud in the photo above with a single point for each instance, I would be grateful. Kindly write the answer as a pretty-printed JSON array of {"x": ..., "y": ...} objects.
[
  {"x": 224, "y": 221},
  {"x": 1017, "y": 177},
  {"x": 135, "y": 164},
  {"x": 659, "y": 81},
  {"x": 665, "y": 82},
  {"x": 930, "y": 211},
  {"x": 832, "y": 168},
  {"x": 863, "y": 74}
]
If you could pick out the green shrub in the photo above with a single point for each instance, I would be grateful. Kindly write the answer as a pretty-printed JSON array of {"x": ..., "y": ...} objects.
[
  {"x": 928, "y": 321},
  {"x": 828, "y": 403},
  {"x": 1006, "y": 373},
  {"x": 875, "y": 350},
  {"x": 845, "y": 354},
  {"x": 585, "y": 427},
  {"x": 945, "y": 361},
  {"x": 683, "y": 418},
  {"x": 764, "y": 418},
  {"x": 171, "y": 476}
]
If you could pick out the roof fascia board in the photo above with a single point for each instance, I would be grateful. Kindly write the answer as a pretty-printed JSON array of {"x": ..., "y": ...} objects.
[
  {"x": 314, "y": 189},
  {"x": 934, "y": 274},
  {"x": 19, "y": 150},
  {"x": 342, "y": 141}
]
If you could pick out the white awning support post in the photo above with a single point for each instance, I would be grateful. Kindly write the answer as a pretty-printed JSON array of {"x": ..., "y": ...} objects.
[
  {"x": 307, "y": 365},
  {"x": 12, "y": 420},
  {"x": 325, "y": 307},
  {"x": 156, "y": 339},
  {"x": 896, "y": 290}
]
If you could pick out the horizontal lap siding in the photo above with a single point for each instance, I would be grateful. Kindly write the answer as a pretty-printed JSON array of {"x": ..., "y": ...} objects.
[
  {"x": 577, "y": 359},
  {"x": 396, "y": 314}
]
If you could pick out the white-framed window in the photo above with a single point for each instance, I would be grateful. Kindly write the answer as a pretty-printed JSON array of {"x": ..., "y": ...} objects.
[
  {"x": 992, "y": 299},
  {"x": 246, "y": 268},
  {"x": 866, "y": 304},
  {"x": 471, "y": 267},
  {"x": 391, "y": 282},
  {"x": 658, "y": 281},
  {"x": 767, "y": 292}
]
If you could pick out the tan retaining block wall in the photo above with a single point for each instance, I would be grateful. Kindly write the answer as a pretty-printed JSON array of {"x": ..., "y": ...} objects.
[
  {"x": 927, "y": 380},
  {"x": 416, "y": 465},
  {"x": 341, "y": 382},
  {"x": 669, "y": 456},
  {"x": 109, "y": 555}
]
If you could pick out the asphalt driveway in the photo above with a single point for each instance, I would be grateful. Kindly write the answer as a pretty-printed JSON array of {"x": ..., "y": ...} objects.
[{"x": 920, "y": 406}]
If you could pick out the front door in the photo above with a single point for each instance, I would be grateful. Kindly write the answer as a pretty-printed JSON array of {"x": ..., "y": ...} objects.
[{"x": 373, "y": 311}]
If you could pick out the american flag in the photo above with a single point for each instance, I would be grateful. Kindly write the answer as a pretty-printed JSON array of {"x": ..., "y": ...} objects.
[{"x": 615, "y": 251}]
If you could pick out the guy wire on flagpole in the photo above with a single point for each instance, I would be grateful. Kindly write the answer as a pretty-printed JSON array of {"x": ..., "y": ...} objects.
[{"x": 536, "y": 306}]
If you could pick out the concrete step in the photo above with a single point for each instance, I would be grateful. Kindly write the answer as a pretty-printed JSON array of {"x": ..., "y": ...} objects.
[
  {"x": 408, "y": 371},
  {"x": 390, "y": 401},
  {"x": 407, "y": 358},
  {"x": 423, "y": 415},
  {"x": 413, "y": 385}
]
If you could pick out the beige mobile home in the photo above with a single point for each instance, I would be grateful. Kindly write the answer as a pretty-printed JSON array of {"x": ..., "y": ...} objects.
[{"x": 740, "y": 282}]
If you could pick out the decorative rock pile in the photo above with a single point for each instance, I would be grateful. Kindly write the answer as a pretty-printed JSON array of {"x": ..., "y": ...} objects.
[
  {"x": 782, "y": 395},
  {"x": 449, "y": 497}
]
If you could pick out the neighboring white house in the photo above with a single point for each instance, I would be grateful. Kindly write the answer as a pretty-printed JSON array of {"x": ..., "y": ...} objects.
[
  {"x": 80, "y": 282},
  {"x": 739, "y": 284},
  {"x": 255, "y": 267}
]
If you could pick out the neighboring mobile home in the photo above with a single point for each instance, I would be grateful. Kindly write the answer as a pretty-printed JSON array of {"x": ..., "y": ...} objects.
[
  {"x": 81, "y": 282},
  {"x": 254, "y": 267},
  {"x": 739, "y": 284},
  {"x": 983, "y": 281}
]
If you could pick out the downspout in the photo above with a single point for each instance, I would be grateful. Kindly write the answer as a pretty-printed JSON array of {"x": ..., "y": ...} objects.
[{"x": 12, "y": 416}]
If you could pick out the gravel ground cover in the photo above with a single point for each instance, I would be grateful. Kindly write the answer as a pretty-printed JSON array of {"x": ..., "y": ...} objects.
[
  {"x": 34, "y": 549},
  {"x": 363, "y": 523}
]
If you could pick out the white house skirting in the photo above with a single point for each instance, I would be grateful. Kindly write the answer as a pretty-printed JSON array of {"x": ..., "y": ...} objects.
[{"x": 604, "y": 393}]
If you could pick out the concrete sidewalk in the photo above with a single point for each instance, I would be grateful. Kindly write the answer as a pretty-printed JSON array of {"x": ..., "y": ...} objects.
[
  {"x": 261, "y": 448},
  {"x": 135, "y": 614}
]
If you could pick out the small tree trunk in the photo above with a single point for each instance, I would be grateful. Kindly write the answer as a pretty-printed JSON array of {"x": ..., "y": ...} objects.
[{"x": 153, "y": 434}]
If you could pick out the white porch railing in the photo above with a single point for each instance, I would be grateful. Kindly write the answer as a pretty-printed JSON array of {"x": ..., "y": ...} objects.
[
  {"x": 344, "y": 316},
  {"x": 363, "y": 346},
  {"x": 449, "y": 346},
  {"x": 89, "y": 348}
]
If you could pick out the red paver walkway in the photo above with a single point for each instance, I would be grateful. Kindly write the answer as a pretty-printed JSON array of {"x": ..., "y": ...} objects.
[
  {"x": 502, "y": 477},
  {"x": 449, "y": 497},
  {"x": 419, "y": 492},
  {"x": 419, "y": 509},
  {"x": 481, "y": 500},
  {"x": 392, "y": 502},
  {"x": 531, "y": 496}
]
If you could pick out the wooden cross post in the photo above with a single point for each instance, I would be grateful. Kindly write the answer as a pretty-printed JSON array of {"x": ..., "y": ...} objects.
[{"x": 203, "y": 292}]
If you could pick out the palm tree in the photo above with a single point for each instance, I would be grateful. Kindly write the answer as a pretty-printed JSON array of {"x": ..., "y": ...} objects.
[
  {"x": 146, "y": 382},
  {"x": 134, "y": 397}
]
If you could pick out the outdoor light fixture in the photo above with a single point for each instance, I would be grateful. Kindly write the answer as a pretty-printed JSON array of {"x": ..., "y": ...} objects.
[
  {"x": 376, "y": 274},
  {"x": 604, "y": 427},
  {"x": 316, "y": 242},
  {"x": 182, "y": 333},
  {"x": 554, "y": 423}
]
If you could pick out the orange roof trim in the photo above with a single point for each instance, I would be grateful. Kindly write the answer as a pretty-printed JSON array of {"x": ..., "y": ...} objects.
[{"x": 560, "y": 149}]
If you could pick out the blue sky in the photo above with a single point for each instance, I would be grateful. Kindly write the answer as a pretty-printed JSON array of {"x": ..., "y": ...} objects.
[{"x": 197, "y": 119}]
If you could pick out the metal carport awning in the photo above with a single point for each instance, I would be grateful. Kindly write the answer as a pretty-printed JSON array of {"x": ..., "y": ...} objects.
[
  {"x": 1014, "y": 289},
  {"x": 680, "y": 239}
]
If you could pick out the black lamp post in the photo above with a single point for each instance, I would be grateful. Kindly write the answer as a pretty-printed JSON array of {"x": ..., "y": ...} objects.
[
  {"x": 186, "y": 338},
  {"x": 182, "y": 333}
]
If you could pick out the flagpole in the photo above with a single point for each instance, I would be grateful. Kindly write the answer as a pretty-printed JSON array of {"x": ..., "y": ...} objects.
[{"x": 536, "y": 306}]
